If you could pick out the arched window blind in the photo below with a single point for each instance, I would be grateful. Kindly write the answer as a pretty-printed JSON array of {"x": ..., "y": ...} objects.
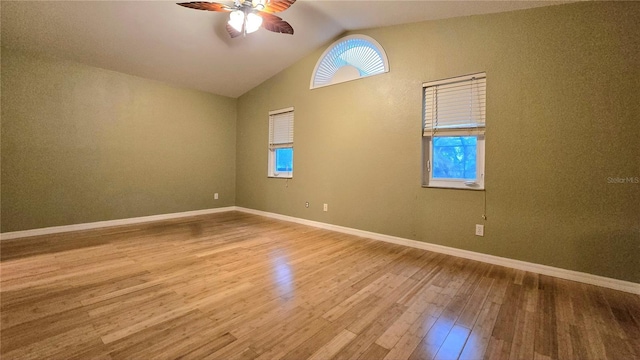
[
  {"x": 350, "y": 58},
  {"x": 455, "y": 105}
]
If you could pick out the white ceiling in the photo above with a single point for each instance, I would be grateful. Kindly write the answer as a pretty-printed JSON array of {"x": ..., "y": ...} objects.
[{"x": 160, "y": 40}]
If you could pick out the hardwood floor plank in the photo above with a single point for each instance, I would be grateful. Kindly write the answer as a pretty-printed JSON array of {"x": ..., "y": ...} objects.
[
  {"x": 374, "y": 352},
  {"x": 207, "y": 347},
  {"x": 264, "y": 338},
  {"x": 387, "y": 300},
  {"x": 313, "y": 344},
  {"x": 282, "y": 347},
  {"x": 522, "y": 346},
  {"x": 358, "y": 297},
  {"x": 176, "y": 337},
  {"x": 453, "y": 344},
  {"x": 477, "y": 299},
  {"x": 362, "y": 344},
  {"x": 61, "y": 345},
  {"x": 565, "y": 346},
  {"x": 332, "y": 347},
  {"x": 28, "y": 333},
  {"x": 408, "y": 318},
  {"x": 480, "y": 335},
  {"x": 422, "y": 341},
  {"x": 546, "y": 331}
]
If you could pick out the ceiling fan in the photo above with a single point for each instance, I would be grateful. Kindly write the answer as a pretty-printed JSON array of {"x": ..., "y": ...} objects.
[{"x": 247, "y": 16}]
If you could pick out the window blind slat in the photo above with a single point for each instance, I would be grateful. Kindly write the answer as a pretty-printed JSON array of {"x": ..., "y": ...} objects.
[
  {"x": 441, "y": 109},
  {"x": 455, "y": 105},
  {"x": 445, "y": 98}
]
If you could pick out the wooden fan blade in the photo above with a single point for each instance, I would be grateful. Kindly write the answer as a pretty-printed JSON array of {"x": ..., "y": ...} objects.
[
  {"x": 209, "y": 6},
  {"x": 233, "y": 32},
  {"x": 274, "y": 23},
  {"x": 275, "y": 6}
]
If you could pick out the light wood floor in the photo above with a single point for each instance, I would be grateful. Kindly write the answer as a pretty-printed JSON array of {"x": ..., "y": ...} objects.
[{"x": 238, "y": 286}]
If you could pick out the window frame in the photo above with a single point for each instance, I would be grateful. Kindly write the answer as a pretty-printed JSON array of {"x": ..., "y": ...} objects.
[
  {"x": 271, "y": 163},
  {"x": 428, "y": 181}
]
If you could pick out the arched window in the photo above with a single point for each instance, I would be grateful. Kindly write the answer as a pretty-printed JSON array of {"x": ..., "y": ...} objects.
[{"x": 349, "y": 58}]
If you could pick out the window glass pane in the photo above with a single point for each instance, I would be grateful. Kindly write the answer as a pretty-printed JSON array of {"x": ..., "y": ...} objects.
[
  {"x": 284, "y": 160},
  {"x": 454, "y": 157}
]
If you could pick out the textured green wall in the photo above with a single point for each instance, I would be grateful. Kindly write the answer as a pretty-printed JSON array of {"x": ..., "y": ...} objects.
[
  {"x": 563, "y": 88},
  {"x": 81, "y": 144}
]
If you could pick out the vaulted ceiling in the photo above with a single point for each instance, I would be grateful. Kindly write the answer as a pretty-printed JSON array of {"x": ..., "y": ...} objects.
[{"x": 160, "y": 40}]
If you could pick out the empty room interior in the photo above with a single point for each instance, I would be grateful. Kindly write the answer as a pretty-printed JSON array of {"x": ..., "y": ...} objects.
[{"x": 281, "y": 179}]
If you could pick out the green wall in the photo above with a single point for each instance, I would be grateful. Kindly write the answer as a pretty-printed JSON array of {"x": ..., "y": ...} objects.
[
  {"x": 81, "y": 144},
  {"x": 562, "y": 118}
]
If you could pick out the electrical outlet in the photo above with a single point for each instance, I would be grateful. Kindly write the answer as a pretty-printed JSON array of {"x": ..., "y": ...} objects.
[
  {"x": 215, "y": 196},
  {"x": 479, "y": 230},
  {"x": 306, "y": 204},
  {"x": 326, "y": 207}
]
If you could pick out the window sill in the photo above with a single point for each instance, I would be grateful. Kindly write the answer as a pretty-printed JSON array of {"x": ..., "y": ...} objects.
[{"x": 452, "y": 188}]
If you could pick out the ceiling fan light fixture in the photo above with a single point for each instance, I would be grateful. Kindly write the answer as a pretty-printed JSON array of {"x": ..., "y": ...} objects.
[
  {"x": 236, "y": 20},
  {"x": 253, "y": 22}
]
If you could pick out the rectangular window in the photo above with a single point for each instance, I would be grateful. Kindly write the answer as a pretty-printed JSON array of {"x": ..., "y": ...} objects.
[
  {"x": 281, "y": 143},
  {"x": 453, "y": 132}
]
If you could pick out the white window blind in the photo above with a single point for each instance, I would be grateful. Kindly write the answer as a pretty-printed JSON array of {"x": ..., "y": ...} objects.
[
  {"x": 455, "y": 105},
  {"x": 281, "y": 129}
]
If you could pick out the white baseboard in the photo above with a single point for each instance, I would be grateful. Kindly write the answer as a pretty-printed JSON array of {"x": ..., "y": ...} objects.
[
  {"x": 610, "y": 283},
  {"x": 606, "y": 282},
  {"x": 108, "y": 223}
]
